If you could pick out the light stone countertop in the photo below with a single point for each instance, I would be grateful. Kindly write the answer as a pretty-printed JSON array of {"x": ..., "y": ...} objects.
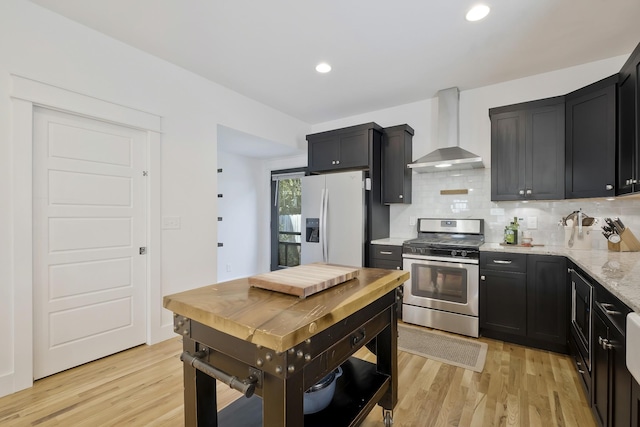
[
  {"x": 619, "y": 272},
  {"x": 393, "y": 241}
]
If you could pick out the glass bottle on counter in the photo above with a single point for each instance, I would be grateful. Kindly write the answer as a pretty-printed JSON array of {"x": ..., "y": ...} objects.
[{"x": 511, "y": 232}]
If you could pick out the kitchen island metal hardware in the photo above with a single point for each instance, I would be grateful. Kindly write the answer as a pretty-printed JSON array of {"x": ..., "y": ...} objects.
[{"x": 246, "y": 386}]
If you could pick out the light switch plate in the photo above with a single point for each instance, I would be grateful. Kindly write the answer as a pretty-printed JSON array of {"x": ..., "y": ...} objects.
[
  {"x": 170, "y": 222},
  {"x": 412, "y": 220}
]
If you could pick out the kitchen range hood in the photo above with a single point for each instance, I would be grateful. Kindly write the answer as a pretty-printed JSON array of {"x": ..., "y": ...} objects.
[{"x": 450, "y": 156}]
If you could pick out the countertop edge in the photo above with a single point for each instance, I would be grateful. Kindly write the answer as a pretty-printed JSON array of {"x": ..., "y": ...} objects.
[{"x": 618, "y": 272}]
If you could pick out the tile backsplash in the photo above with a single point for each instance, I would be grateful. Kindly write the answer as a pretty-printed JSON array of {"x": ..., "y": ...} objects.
[{"x": 429, "y": 203}]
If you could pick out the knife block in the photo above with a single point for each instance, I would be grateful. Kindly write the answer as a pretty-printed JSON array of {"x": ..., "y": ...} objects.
[{"x": 628, "y": 243}]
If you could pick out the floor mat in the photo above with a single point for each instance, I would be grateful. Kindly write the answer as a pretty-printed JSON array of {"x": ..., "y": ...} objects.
[{"x": 466, "y": 353}]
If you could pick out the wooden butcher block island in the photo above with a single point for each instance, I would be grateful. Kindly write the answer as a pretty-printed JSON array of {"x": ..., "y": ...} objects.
[{"x": 276, "y": 346}]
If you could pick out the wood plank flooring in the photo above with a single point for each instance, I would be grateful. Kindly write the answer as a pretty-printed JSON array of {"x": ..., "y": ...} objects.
[{"x": 143, "y": 387}]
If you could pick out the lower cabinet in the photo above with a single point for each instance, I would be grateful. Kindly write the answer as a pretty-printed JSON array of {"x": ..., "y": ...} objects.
[
  {"x": 635, "y": 404},
  {"x": 547, "y": 300},
  {"x": 611, "y": 379},
  {"x": 524, "y": 299},
  {"x": 385, "y": 256}
]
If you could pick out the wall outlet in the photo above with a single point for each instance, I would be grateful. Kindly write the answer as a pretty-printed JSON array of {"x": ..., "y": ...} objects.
[
  {"x": 497, "y": 211},
  {"x": 412, "y": 220},
  {"x": 532, "y": 222},
  {"x": 170, "y": 222},
  {"x": 228, "y": 267}
]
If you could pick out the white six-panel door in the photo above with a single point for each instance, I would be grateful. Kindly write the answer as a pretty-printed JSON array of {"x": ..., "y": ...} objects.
[{"x": 89, "y": 219}]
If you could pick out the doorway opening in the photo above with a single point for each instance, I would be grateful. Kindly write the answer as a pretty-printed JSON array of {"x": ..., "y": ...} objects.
[{"x": 286, "y": 210}]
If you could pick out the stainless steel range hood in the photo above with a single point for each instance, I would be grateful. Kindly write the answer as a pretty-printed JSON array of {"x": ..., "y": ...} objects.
[{"x": 450, "y": 156}]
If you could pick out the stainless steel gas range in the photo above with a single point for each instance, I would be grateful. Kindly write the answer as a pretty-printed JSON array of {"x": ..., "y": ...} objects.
[{"x": 442, "y": 292}]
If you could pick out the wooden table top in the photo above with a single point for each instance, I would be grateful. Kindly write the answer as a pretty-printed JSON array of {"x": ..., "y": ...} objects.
[{"x": 276, "y": 320}]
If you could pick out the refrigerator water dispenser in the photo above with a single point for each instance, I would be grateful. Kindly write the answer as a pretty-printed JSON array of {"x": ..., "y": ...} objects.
[{"x": 313, "y": 230}]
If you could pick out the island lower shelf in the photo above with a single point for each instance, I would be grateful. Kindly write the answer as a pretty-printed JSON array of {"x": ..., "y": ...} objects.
[{"x": 357, "y": 391}]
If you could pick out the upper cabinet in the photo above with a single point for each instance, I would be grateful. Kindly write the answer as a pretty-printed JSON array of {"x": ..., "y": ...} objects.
[
  {"x": 591, "y": 140},
  {"x": 527, "y": 150},
  {"x": 628, "y": 122},
  {"x": 347, "y": 148},
  {"x": 396, "y": 154}
]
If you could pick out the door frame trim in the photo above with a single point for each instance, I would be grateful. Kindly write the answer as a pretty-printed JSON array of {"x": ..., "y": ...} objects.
[{"x": 25, "y": 94}]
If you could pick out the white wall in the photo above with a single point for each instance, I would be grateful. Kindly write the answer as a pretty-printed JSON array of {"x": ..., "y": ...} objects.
[
  {"x": 40, "y": 45},
  {"x": 239, "y": 183}
]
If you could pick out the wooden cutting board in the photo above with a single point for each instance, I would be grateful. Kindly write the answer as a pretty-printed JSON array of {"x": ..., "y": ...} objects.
[{"x": 304, "y": 280}]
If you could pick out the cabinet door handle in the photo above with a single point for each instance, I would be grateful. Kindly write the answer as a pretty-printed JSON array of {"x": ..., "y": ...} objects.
[
  {"x": 605, "y": 343},
  {"x": 337, "y": 162},
  {"x": 521, "y": 192},
  {"x": 483, "y": 278},
  {"x": 333, "y": 162},
  {"x": 500, "y": 261},
  {"x": 386, "y": 253},
  {"x": 608, "y": 187},
  {"x": 400, "y": 196},
  {"x": 607, "y": 308},
  {"x": 529, "y": 192}
]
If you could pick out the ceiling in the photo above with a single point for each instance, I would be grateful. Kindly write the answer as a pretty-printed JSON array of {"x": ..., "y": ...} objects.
[{"x": 384, "y": 53}]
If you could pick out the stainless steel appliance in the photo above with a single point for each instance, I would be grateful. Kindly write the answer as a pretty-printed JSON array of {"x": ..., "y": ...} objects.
[
  {"x": 581, "y": 308},
  {"x": 443, "y": 289},
  {"x": 333, "y": 218}
]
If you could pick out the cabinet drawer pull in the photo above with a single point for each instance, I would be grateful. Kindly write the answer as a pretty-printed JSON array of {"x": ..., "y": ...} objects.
[
  {"x": 386, "y": 253},
  {"x": 608, "y": 187},
  {"x": 501, "y": 261}
]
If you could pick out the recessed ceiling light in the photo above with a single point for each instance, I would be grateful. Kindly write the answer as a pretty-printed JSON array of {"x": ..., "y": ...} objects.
[
  {"x": 478, "y": 12},
  {"x": 323, "y": 67}
]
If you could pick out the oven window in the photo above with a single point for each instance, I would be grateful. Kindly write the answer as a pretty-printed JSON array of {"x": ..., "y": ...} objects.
[{"x": 441, "y": 283}]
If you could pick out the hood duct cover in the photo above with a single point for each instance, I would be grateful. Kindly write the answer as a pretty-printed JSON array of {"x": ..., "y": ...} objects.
[{"x": 450, "y": 156}]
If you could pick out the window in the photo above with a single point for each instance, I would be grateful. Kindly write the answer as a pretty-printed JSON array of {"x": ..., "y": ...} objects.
[{"x": 286, "y": 209}]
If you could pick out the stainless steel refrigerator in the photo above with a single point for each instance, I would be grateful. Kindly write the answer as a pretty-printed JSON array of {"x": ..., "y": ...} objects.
[{"x": 333, "y": 218}]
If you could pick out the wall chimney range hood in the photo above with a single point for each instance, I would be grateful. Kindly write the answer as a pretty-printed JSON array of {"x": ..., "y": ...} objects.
[{"x": 450, "y": 156}]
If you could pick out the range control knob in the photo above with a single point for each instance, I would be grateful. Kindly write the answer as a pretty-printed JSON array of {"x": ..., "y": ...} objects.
[
  {"x": 453, "y": 253},
  {"x": 464, "y": 254}
]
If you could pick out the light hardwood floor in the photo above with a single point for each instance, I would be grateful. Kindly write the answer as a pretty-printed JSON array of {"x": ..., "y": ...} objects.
[{"x": 143, "y": 387}]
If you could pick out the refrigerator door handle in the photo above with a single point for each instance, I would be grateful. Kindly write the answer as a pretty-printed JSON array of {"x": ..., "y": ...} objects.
[{"x": 325, "y": 210}]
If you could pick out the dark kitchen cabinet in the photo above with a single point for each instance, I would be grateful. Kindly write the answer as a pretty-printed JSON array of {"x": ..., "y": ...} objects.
[
  {"x": 528, "y": 150},
  {"x": 590, "y": 116},
  {"x": 523, "y": 299},
  {"x": 385, "y": 256},
  {"x": 611, "y": 379},
  {"x": 547, "y": 300},
  {"x": 396, "y": 154},
  {"x": 347, "y": 148},
  {"x": 503, "y": 294},
  {"x": 628, "y": 125},
  {"x": 635, "y": 403}
]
